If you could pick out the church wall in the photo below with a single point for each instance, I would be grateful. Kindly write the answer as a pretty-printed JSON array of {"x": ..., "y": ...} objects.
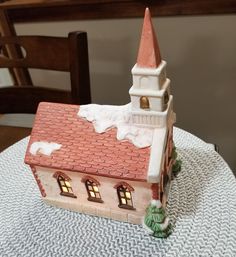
[{"x": 141, "y": 196}]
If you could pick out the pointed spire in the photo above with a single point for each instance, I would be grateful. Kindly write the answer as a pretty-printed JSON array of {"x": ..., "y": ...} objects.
[{"x": 149, "y": 54}]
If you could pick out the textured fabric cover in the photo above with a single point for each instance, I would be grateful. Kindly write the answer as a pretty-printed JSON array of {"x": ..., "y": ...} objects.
[{"x": 202, "y": 209}]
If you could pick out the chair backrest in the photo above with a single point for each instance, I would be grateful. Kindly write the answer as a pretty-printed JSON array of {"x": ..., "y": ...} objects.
[{"x": 51, "y": 53}]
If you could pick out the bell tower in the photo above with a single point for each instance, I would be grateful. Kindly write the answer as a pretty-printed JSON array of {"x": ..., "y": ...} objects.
[{"x": 150, "y": 93}]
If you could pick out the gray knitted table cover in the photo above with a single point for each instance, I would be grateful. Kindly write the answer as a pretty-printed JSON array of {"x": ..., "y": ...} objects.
[{"x": 202, "y": 209}]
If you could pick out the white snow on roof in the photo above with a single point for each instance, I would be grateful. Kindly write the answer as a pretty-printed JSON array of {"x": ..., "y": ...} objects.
[
  {"x": 105, "y": 117},
  {"x": 45, "y": 148}
]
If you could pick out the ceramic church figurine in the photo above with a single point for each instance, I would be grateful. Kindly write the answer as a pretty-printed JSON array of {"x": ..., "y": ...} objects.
[{"x": 111, "y": 161}]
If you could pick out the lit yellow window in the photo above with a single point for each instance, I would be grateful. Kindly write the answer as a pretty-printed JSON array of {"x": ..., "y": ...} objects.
[
  {"x": 125, "y": 198},
  {"x": 65, "y": 186},
  {"x": 64, "y": 189},
  {"x": 123, "y": 201},
  {"x": 128, "y": 195},
  {"x": 93, "y": 191},
  {"x": 92, "y": 194}
]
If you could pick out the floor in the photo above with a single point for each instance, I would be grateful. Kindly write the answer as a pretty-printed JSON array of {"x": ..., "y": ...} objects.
[{"x": 10, "y": 135}]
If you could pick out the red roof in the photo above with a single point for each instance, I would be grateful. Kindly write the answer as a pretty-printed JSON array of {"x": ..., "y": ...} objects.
[
  {"x": 149, "y": 54},
  {"x": 83, "y": 149}
]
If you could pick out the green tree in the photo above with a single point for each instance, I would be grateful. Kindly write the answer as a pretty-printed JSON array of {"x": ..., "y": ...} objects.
[
  {"x": 177, "y": 163},
  {"x": 156, "y": 221}
]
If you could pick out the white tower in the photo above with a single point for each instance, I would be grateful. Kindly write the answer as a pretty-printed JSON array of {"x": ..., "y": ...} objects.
[{"x": 150, "y": 94}]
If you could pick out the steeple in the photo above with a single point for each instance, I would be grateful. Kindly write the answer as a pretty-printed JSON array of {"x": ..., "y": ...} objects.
[
  {"x": 149, "y": 55},
  {"x": 151, "y": 102}
]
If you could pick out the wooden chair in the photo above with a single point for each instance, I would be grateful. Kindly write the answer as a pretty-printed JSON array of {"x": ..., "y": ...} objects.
[{"x": 50, "y": 53}]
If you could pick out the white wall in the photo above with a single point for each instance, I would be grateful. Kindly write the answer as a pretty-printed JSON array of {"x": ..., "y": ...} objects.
[
  {"x": 200, "y": 52},
  {"x": 141, "y": 196}
]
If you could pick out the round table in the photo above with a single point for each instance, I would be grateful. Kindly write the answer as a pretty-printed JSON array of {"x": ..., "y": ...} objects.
[{"x": 201, "y": 207}]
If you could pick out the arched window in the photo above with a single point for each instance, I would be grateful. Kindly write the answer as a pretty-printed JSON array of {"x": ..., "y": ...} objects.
[
  {"x": 124, "y": 195},
  {"x": 144, "y": 102},
  {"x": 92, "y": 185},
  {"x": 64, "y": 184}
]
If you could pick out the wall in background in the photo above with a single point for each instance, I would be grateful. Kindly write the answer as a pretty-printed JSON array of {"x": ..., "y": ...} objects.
[
  {"x": 201, "y": 56},
  {"x": 5, "y": 78}
]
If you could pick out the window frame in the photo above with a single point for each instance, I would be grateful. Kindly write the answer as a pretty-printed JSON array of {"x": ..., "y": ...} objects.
[
  {"x": 124, "y": 188},
  {"x": 91, "y": 182},
  {"x": 63, "y": 178}
]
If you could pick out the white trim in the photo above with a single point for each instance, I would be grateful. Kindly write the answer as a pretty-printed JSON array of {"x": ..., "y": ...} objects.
[
  {"x": 148, "y": 71},
  {"x": 150, "y": 92},
  {"x": 156, "y": 155}
]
